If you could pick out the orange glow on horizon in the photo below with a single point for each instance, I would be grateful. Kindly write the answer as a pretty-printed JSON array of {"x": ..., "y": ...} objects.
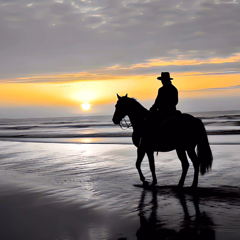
[{"x": 102, "y": 92}]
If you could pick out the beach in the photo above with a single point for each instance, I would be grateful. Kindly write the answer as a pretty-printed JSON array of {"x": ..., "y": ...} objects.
[
  {"x": 91, "y": 92},
  {"x": 86, "y": 191}
]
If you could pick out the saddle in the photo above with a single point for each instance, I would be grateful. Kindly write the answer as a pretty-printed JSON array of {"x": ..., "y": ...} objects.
[
  {"x": 160, "y": 131},
  {"x": 170, "y": 118},
  {"x": 156, "y": 124},
  {"x": 157, "y": 121}
]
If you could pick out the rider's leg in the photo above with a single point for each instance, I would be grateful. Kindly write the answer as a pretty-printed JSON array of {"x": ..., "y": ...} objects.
[
  {"x": 185, "y": 165},
  {"x": 152, "y": 166},
  {"x": 140, "y": 156}
]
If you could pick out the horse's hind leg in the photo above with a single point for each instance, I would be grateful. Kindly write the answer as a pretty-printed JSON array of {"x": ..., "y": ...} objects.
[
  {"x": 193, "y": 156},
  {"x": 152, "y": 166},
  {"x": 140, "y": 156},
  {"x": 185, "y": 165}
]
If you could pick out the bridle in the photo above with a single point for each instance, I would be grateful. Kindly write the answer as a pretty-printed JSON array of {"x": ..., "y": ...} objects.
[{"x": 124, "y": 124}]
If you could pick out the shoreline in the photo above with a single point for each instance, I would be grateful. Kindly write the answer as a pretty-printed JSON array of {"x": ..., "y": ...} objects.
[{"x": 213, "y": 140}]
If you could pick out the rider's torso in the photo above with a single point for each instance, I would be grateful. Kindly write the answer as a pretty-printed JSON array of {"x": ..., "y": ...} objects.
[{"x": 167, "y": 98}]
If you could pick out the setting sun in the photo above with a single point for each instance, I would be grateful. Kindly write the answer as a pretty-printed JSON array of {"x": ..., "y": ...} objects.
[{"x": 86, "y": 106}]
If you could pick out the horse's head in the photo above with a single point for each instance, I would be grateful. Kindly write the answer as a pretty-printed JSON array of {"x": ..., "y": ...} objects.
[{"x": 121, "y": 109}]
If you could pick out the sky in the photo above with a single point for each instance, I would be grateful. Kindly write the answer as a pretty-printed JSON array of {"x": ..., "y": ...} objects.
[{"x": 57, "y": 55}]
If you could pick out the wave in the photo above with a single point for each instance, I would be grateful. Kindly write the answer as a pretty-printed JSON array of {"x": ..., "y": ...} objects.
[
  {"x": 236, "y": 116},
  {"x": 67, "y": 135},
  {"x": 99, "y": 135},
  {"x": 27, "y": 127},
  {"x": 222, "y": 129},
  {"x": 224, "y": 132},
  {"x": 99, "y": 125}
]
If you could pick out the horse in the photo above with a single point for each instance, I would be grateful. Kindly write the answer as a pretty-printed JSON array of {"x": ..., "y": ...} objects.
[{"x": 182, "y": 133}]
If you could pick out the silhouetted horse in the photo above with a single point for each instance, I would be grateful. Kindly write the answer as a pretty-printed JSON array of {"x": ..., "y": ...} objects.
[{"x": 182, "y": 133}]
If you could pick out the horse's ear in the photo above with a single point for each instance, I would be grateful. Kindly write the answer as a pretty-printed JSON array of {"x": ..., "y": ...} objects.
[
  {"x": 118, "y": 96},
  {"x": 126, "y": 95}
]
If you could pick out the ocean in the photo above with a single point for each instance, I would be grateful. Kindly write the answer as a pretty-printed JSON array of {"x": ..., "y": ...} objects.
[{"x": 222, "y": 128}]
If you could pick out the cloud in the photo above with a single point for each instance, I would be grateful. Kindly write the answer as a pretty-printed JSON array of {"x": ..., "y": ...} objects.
[
  {"x": 181, "y": 67},
  {"x": 181, "y": 61},
  {"x": 59, "y": 78},
  {"x": 56, "y": 37},
  {"x": 215, "y": 89}
]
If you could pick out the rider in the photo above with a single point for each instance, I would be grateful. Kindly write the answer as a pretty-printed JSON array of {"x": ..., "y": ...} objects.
[{"x": 167, "y": 99}]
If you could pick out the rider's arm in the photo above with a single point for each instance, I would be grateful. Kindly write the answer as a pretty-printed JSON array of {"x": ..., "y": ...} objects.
[
  {"x": 156, "y": 103},
  {"x": 170, "y": 98},
  {"x": 175, "y": 98},
  {"x": 153, "y": 108}
]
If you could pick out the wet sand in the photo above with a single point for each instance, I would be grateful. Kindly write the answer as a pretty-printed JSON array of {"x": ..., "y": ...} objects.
[
  {"x": 72, "y": 191},
  {"x": 29, "y": 215}
]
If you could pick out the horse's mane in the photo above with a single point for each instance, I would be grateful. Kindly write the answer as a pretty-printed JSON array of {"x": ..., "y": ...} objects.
[
  {"x": 131, "y": 99},
  {"x": 135, "y": 101}
]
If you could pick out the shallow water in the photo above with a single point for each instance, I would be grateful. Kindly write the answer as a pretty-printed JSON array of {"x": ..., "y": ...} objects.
[{"x": 101, "y": 177}]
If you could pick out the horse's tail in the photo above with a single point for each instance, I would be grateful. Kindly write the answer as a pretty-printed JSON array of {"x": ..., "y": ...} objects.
[{"x": 203, "y": 150}]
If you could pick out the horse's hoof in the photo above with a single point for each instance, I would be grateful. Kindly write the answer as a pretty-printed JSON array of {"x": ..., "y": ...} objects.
[
  {"x": 153, "y": 184},
  {"x": 145, "y": 183},
  {"x": 180, "y": 186}
]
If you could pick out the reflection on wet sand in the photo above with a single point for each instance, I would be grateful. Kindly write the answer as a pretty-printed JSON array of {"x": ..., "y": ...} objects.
[{"x": 199, "y": 226}]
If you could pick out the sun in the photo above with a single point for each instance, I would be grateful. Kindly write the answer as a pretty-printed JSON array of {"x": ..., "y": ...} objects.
[{"x": 86, "y": 106}]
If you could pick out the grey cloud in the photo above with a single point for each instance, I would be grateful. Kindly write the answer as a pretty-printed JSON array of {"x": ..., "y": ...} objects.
[
  {"x": 225, "y": 88},
  {"x": 73, "y": 36},
  {"x": 204, "y": 69},
  {"x": 215, "y": 89}
]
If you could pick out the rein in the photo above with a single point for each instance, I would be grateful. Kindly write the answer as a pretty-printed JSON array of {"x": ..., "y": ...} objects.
[{"x": 125, "y": 125}]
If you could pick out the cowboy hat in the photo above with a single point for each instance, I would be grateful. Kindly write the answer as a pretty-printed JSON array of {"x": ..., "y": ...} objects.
[{"x": 165, "y": 76}]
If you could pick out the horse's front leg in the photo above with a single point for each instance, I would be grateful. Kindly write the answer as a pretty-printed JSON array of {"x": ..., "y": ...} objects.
[
  {"x": 152, "y": 166},
  {"x": 140, "y": 156}
]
